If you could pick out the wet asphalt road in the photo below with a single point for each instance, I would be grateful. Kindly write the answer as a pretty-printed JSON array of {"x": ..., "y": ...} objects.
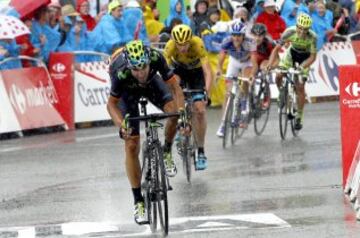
[{"x": 73, "y": 184}]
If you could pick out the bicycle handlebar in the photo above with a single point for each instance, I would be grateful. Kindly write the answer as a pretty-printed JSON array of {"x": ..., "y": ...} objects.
[
  {"x": 240, "y": 78},
  {"x": 286, "y": 71},
  {"x": 154, "y": 116}
]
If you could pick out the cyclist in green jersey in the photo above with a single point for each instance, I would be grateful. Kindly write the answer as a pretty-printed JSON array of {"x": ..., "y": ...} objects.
[{"x": 301, "y": 49}]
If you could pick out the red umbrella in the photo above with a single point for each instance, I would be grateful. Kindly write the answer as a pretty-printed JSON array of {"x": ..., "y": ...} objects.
[{"x": 26, "y": 7}]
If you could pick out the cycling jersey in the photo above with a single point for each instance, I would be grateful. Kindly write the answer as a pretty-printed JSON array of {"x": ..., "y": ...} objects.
[
  {"x": 189, "y": 60},
  {"x": 122, "y": 79},
  {"x": 263, "y": 51},
  {"x": 248, "y": 46},
  {"x": 126, "y": 87},
  {"x": 306, "y": 44}
]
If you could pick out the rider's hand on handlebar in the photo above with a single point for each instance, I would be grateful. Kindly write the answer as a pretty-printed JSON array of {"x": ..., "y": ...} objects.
[{"x": 125, "y": 130}]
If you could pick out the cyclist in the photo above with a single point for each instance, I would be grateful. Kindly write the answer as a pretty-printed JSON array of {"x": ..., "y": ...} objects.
[
  {"x": 302, "y": 51},
  {"x": 242, "y": 51},
  {"x": 140, "y": 71},
  {"x": 187, "y": 55},
  {"x": 264, "y": 47}
]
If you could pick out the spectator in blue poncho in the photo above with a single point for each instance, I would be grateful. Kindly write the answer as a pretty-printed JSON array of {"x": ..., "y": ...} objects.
[
  {"x": 109, "y": 33},
  {"x": 290, "y": 10},
  {"x": 257, "y": 9},
  {"x": 321, "y": 25},
  {"x": 133, "y": 17},
  {"x": 77, "y": 39},
  {"x": 9, "y": 48},
  {"x": 310, "y": 9},
  {"x": 177, "y": 10},
  {"x": 42, "y": 36}
]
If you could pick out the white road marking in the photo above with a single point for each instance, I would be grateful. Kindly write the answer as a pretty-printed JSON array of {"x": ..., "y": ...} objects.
[
  {"x": 28, "y": 232},
  {"x": 80, "y": 228},
  {"x": 214, "y": 224}
]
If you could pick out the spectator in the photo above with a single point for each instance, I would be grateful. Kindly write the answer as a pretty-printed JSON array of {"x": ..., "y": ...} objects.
[
  {"x": 67, "y": 19},
  {"x": 54, "y": 14},
  {"x": 270, "y": 18},
  {"x": 321, "y": 25},
  {"x": 165, "y": 33},
  {"x": 109, "y": 33},
  {"x": 78, "y": 40},
  {"x": 177, "y": 10},
  {"x": 213, "y": 16},
  {"x": 83, "y": 7},
  {"x": 26, "y": 48},
  {"x": 199, "y": 16},
  {"x": 9, "y": 48},
  {"x": 290, "y": 11},
  {"x": 310, "y": 9},
  {"x": 42, "y": 36},
  {"x": 258, "y": 8},
  {"x": 133, "y": 19},
  {"x": 224, "y": 16}
]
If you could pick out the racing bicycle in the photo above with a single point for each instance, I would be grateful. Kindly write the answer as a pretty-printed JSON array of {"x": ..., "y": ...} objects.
[{"x": 155, "y": 184}]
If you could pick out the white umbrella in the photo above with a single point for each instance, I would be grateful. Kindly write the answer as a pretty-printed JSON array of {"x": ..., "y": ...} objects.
[{"x": 11, "y": 27}]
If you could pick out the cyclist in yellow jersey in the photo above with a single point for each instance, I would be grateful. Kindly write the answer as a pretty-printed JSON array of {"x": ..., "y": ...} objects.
[{"x": 187, "y": 55}]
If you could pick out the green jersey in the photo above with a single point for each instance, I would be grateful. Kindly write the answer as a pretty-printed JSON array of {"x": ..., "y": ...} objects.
[{"x": 306, "y": 44}]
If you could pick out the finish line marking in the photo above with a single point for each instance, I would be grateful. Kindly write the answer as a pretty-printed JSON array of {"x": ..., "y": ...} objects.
[{"x": 180, "y": 225}]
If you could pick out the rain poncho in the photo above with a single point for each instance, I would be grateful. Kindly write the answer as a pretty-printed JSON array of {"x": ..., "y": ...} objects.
[
  {"x": 173, "y": 14},
  {"x": 52, "y": 39},
  {"x": 286, "y": 12},
  {"x": 153, "y": 26},
  {"x": 108, "y": 34},
  {"x": 13, "y": 51},
  {"x": 84, "y": 44},
  {"x": 132, "y": 17},
  {"x": 320, "y": 26}
]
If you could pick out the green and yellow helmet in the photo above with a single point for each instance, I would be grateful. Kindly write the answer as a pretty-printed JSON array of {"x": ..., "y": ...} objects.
[
  {"x": 304, "y": 20},
  {"x": 137, "y": 55}
]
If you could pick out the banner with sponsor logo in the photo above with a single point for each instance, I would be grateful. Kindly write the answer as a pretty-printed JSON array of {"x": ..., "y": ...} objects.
[
  {"x": 61, "y": 72},
  {"x": 8, "y": 120},
  {"x": 91, "y": 89},
  {"x": 324, "y": 72},
  {"x": 32, "y": 96},
  {"x": 350, "y": 114}
]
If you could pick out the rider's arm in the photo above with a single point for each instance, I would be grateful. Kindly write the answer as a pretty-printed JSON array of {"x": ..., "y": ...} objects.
[
  {"x": 176, "y": 91},
  {"x": 274, "y": 55},
  {"x": 114, "y": 111},
  {"x": 254, "y": 63},
  {"x": 222, "y": 56},
  {"x": 207, "y": 73}
]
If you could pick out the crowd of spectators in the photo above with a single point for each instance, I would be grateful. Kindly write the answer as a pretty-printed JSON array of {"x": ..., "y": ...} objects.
[{"x": 62, "y": 28}]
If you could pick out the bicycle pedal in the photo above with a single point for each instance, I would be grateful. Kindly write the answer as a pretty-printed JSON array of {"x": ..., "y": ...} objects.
[
  {"x": 170, "y": 188},
  {"x": 291, "y": 116}
]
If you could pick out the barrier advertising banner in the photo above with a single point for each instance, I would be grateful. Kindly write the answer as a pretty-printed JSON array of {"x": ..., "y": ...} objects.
[
  {"x": 350, "y": 114},
  {"x": 32, "y": 96},
  {"x": 8, "y": 120},
  {"x": 91, "y": 90},
  {"x": 61, "y": 71}
]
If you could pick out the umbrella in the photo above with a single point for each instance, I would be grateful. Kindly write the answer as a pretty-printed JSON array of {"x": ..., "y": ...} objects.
[
  {"x": 25, "y": 7},
  {"x": 11, "y": 27}
]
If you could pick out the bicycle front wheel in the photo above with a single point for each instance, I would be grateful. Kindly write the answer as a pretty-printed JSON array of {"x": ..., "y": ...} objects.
[
  {"x": 262, "y": 108},
  {"x": 294, "y": 109},
  {"x": 187, "y": 157},
  {"x": 161, "y": 187},
  {"x": 228, "y": 116},
  {"x": 283, "y": 111}
]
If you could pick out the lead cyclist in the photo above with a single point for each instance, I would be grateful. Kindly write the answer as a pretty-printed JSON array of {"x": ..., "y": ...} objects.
[{"x": 301, "y": 42}]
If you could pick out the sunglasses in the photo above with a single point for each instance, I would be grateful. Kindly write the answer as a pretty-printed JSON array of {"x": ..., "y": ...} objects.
[{"x": 302, "y": 28}]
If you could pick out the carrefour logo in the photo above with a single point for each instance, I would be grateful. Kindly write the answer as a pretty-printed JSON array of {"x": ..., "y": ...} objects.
[
  {"x": 59, "y": 68},
  {"x": 353, "y": 89},
  {"x": 17, "y": 99}
]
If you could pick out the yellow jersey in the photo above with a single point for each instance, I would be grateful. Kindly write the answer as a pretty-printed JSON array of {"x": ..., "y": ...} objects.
[{"x": 190, "y": 60}]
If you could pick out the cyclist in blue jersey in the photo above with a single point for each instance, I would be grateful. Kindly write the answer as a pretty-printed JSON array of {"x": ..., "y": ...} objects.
[{"x": 242, "y": 60}]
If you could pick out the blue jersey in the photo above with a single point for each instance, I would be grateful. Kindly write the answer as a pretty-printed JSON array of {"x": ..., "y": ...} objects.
[{"x": 243, "y": 54}]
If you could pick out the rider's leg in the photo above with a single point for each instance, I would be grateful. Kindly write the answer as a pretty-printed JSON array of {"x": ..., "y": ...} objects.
[
  {"x": 300, "y": 91},
  {"x": 200, "y": 122},
  {"x": 171, "y": 123},
  {"x": 133, "y": 171}
]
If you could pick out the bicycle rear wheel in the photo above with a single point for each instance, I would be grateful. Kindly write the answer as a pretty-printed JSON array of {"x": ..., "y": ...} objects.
[
  {"x": 283, "y": 114},
  {"x": 161, "y": 185},
  {"x": 228, "y": 116},
  {"x": 149, "y": 199},
  {"x": 187, "y": 157},
  {"x": 260, "y": 113}
]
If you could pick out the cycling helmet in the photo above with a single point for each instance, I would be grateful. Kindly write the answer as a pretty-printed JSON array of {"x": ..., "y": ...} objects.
[
  {"x": 304, "y": 20},
  {"x": 136, "y": 54},
  {"x": 181, "y": 33},
  {"x": 238, "y": 28},
  {"x": 259, "y": 29}
]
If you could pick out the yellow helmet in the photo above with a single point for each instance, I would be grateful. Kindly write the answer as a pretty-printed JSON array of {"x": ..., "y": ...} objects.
[
  {"x": 304, "y": 20},
  {"x": 137, "y": 55},
  {"x": 181, "y": 33}
]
